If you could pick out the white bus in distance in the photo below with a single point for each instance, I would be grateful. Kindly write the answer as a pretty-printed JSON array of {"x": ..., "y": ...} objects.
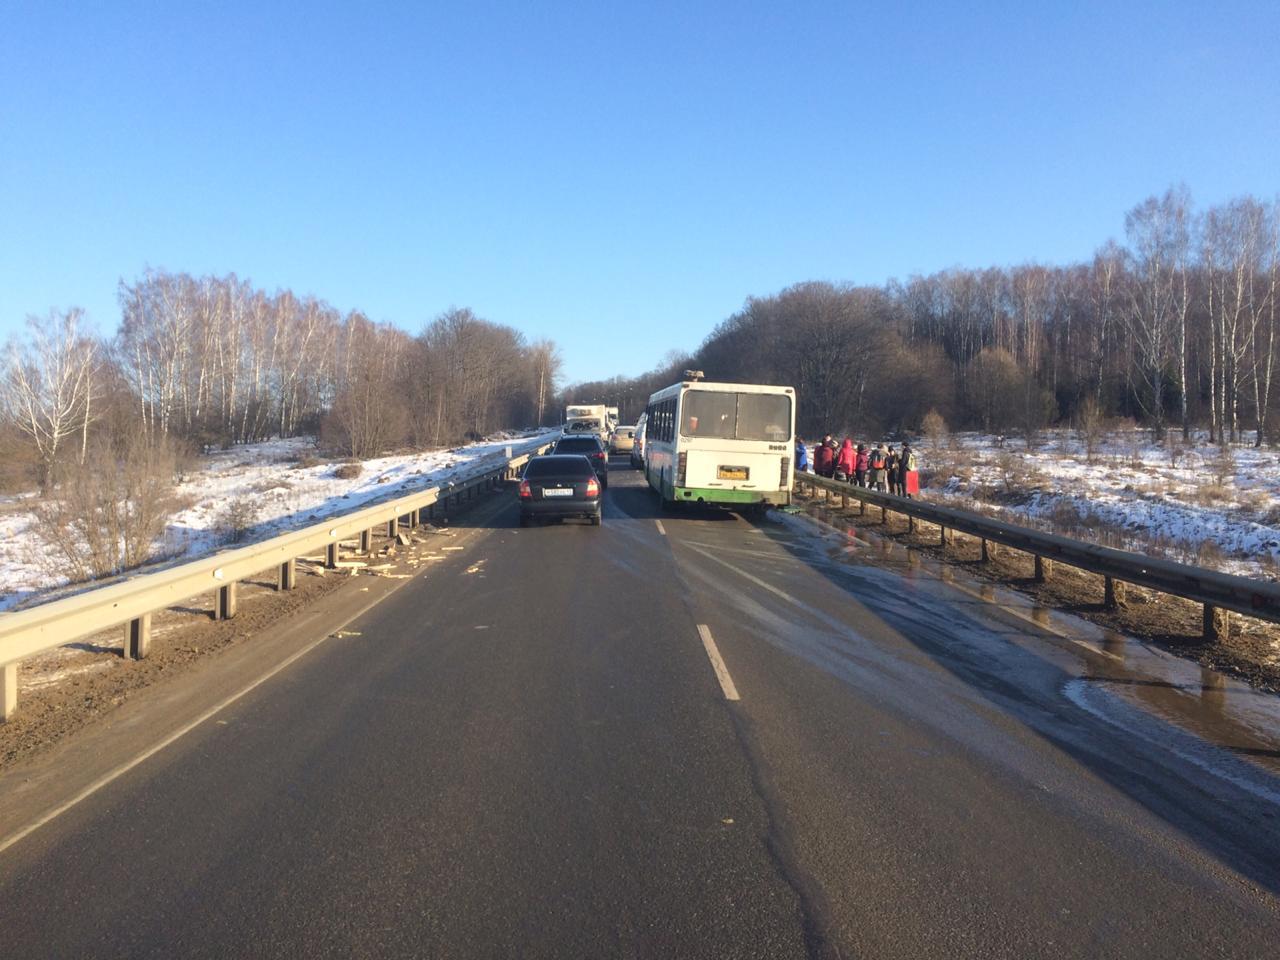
[{"x": 725, "y": 443}]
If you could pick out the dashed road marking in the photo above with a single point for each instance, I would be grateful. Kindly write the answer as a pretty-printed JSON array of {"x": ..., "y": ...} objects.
[
  {"x": 717, "y": 663},
  {"x": 661, "y": 529}
]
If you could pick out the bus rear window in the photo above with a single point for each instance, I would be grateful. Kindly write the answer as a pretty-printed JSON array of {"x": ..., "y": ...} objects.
[
  {"x": 736, "y": 416},
  {"x": 764, "y": 416}
]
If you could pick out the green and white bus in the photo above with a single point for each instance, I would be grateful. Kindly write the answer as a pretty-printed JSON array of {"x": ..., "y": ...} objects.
[{"x": 727, "y": 443}]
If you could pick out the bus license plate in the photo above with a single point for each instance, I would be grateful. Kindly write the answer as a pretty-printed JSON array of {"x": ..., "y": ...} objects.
[
  {"x": 557, "y": 493},
  {"x": 732, "y": 473}
]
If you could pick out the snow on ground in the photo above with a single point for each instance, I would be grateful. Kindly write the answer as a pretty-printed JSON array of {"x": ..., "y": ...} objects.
[
  {"x": 1186, "y": 502},
  {"x": 272, "y": 478}
]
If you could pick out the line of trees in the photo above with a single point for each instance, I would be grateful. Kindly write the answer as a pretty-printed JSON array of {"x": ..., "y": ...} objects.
[
  {"x": 1175, "y": 328},
  {"x": 214, "y": 361}
]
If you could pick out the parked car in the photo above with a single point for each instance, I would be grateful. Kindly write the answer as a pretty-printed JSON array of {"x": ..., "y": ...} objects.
[
  {"x": 558, "y": 486},
  {"x": 637, "y": 443},
  {"x": 590, "y": 447},
  {"x": 622, "y": 439}
]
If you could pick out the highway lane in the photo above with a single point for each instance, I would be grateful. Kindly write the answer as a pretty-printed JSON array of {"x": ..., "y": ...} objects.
[{"x": 535, "y": 758}]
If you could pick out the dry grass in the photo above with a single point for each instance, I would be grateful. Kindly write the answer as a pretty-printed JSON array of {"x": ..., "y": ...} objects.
[
  {"x": 348, "y": 471},
  {"x": 237, "y": 518},
  {"x": 109, "y": 512},
  {"x": 1210, "y": 493},
  {"x": 270, "y": 485}
]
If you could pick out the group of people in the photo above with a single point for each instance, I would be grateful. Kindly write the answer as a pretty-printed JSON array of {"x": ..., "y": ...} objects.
[{"x": 875, "y": 466}]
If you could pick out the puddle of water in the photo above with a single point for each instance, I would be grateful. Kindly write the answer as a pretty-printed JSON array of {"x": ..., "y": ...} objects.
[{"x": 1109, "y": 666}]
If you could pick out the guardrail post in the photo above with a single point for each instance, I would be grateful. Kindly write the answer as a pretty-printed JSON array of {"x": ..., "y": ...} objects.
[
  {"x": 287, "y": 575},
  {"x": 844, "y": 500},
  {"x": 1044, "y": 569},
  {"x": 393, "y": 528},
  {"x": 943, "y": 537},
  {"x": 8, "y": 690},
  {"x": 137, "y": 637},
  {"x": 911, "y": 523},
  {"x": 989, "y": 550},
  {"x": 862, "y": 504},
  {"x": 225, "y": 608},
  {"x": 331, "y": 555},
  {"x": 1113, "y": 591},
  {"x": 884, "y": 514},
  {"x": 366, "y": 542},
  {"x": 1217, "y": 624},
  {"x": 423, "y": 513}
]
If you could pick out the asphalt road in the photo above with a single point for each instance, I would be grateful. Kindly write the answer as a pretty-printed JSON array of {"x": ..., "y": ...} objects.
[{"x": 530, "y": 755}]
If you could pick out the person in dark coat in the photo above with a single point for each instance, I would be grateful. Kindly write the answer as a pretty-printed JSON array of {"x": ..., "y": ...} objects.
[
  {"x": 824, "y": 461},
  {"x": 894, "y": 465}
]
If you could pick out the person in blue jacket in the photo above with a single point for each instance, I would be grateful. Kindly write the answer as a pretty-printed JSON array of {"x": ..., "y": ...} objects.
[{"x": 802, "y": 456}]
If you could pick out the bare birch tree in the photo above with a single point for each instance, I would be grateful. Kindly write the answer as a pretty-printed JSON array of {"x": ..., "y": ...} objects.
[{"x": 49, "y": 386}]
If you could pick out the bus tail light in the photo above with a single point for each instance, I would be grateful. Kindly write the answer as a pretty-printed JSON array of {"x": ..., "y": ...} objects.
[
  {"x": 786, "y": 468},
  {"x": 682, "y": 464}
]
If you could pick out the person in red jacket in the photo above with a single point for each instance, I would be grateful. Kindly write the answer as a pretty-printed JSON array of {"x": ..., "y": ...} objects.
[
  {"x": 860, "y": 465},
  {"x": 846, "y": 460},
  {"x": 824, "y": 461}
]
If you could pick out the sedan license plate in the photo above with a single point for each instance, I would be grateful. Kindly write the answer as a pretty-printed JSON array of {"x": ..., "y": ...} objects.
[
  {"x": 557, "y": 492},
  {"x": 732, "y": 473}
]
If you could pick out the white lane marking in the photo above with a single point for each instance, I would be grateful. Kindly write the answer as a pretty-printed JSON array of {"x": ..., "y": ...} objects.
[
  {"x": 1044, "y": 627},
  {"x": 717, "y": 663},
  {"x": 742, "y": 573},
  {"x": 661, "y": 529}
]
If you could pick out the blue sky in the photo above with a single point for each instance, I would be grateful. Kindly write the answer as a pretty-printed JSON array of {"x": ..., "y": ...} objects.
[{"x": 617, "y": 177}]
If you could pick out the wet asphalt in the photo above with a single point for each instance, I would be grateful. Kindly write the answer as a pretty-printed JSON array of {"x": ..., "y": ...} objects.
[{"x": 532, "y": 757}]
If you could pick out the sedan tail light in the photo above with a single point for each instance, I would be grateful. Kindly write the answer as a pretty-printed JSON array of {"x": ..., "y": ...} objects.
[
  {"x": 593, "y": 488},
  {"x": 525, "y": 492}
]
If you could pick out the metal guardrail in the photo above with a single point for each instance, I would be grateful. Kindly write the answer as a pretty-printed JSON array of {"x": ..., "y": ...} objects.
[
  {"x": 131, "y": 602},
  {"x": 1219, "y": 592}
]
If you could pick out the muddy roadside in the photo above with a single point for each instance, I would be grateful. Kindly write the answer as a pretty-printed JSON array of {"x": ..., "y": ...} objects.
[
  {"x": 1251, "y": 652},
  {"x": 67, "y": 689}
]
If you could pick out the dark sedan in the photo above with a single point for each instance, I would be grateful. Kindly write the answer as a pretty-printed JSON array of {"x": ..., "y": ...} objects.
[
  {"x": 591, "y": 448},
  {"x": 559, "y": 486}
]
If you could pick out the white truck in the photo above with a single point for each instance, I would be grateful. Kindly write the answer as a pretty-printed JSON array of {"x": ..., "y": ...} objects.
[{"x": 587, "y": 418}]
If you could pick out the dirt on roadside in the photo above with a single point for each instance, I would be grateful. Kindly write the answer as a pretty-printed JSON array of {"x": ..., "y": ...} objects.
[
  {"x": 1251, "y": 652},
  {"x": 64, "y": 690}
]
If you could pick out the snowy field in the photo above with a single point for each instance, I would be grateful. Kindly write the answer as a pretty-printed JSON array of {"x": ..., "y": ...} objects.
[
  {"x": 1184, "y": 501},
  {"x": 281, "y": 482}
]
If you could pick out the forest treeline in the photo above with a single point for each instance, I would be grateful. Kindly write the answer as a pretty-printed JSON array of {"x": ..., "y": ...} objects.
[
  {"x": 1176, "y": 328},
  {"x": 213, "y": 361}
]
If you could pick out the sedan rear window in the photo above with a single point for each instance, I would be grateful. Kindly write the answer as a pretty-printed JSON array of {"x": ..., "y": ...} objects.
[
  {"x": 558, "y": 467},
  {"x": 578, "y": 445}
]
